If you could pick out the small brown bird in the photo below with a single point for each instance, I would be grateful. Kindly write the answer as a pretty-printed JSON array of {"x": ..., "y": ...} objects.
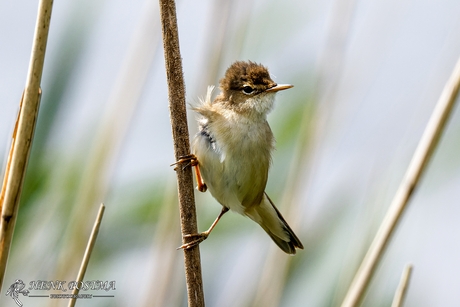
[{"x": 232, "y": 151}]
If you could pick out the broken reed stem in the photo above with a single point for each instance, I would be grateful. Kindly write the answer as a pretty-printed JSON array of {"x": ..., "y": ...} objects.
[
  {"x": 401, "y": 291},
  {"x": 23, "y": 135},
  {"x": 416, "y": 167},
  {"x": 87, "y": 255},
  {"x": 178, "y": 116}
]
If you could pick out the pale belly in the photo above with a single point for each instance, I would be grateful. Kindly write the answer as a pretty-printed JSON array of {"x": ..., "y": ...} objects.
[{"x": 237, "y": 181}]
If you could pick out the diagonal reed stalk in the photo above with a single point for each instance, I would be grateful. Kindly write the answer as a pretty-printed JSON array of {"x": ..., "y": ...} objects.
[
  {"x": 401, "y": 291},
  {"x": 87, "y": 255},
  {"x": 23, "y": 135},
  {"x": 178, "y": 116},
  {"x": 418, "y": 164}
]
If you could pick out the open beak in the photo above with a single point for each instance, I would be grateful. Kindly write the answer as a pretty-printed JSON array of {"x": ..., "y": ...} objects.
[{"x": 279, "y": 87}]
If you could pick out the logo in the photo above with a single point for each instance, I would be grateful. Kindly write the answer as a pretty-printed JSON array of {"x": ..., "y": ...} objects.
[
  {"x": 60, "y": 289},
  {"x": 15, "y": 289}
]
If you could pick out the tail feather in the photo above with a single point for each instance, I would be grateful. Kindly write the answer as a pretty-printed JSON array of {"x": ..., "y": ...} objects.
[{"x": 271, "y": 220}]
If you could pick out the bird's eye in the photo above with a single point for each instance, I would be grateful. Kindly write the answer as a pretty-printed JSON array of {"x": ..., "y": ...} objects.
[{"x": 248, "y": 90}]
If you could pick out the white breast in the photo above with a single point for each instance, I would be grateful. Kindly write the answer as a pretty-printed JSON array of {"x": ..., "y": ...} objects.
[{"x": 234, "y": 159}]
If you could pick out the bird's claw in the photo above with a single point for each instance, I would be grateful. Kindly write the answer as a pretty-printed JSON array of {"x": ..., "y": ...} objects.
[
  {"x": 191, "y": 159},
  {"x": 200, "y": 238}
]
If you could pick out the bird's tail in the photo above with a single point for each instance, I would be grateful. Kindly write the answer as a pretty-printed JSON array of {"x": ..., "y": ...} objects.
[{"x": 271, "y": 220}]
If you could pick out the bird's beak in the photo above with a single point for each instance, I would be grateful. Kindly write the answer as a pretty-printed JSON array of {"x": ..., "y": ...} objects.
[{"x": 279, "y": 87}]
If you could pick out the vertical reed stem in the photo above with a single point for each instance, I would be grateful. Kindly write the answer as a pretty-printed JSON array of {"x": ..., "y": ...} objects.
[
  {"x": 178, "y": 116},
  {"x": 23, "y": 135}
]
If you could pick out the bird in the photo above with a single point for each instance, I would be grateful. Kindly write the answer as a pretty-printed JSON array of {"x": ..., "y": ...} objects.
[{"x": 232, "y": 151}]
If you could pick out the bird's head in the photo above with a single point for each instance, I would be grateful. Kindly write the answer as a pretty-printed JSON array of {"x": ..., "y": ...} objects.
[{"x": 247, "y": 88}]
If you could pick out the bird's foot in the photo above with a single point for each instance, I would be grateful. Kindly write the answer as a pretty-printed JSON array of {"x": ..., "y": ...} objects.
[
  {"x": 200, "y": 237},
  {"x": 192, "y": 160}
]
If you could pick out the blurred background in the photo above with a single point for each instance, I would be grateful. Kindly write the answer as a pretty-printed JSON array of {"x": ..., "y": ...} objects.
[{"x": 367, "y": 75}]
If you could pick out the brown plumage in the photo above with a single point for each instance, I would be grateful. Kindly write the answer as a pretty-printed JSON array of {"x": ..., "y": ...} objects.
[{"x": 233, "y": 150}]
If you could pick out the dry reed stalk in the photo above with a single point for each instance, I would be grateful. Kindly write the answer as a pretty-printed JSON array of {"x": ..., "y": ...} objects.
[
  {"x": 23, "y": 135},
  {"x": 178, "y": 116},
  {"x": 418, "y": 164},
  {"x": 401, "y": 291},
  {"x": 87, "y": 255}
]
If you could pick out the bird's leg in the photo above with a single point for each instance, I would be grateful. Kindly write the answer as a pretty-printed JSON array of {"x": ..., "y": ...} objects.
[
  {"x": 193, "y": 161},
  {"x": 200, "y": 237},
  {"x": 200, "y": 185}
]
